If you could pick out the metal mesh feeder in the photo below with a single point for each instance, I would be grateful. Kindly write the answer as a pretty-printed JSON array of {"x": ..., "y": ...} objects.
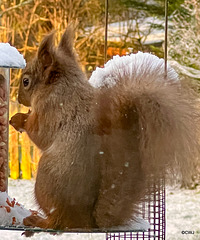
[{"x": 151, "y": 209}]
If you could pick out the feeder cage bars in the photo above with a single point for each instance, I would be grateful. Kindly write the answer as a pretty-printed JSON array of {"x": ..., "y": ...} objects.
[{"x": 151, "y": 209}]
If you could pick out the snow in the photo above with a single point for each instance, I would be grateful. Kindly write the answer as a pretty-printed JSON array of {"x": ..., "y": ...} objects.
[
  {"x": 130, "y": 65},
  {"x": 10, "y": 57},
  {"x": 11, "y": 212},
  {"x": 183, "y": 213},
  {"x": 118, "y": 30},
  {"x": 185, "y": 70},
  {"x": 183, "y": 208}
]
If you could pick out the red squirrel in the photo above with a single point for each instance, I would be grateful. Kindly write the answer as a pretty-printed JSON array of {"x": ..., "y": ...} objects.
[{"x": 101, "y": 146}]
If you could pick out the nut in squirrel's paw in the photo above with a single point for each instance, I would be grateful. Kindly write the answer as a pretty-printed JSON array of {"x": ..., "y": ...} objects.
[{"x": 18, "y": 121}]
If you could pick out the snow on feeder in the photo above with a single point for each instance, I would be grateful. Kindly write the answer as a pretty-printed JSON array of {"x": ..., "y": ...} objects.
[{"x": 9, "y": 58}]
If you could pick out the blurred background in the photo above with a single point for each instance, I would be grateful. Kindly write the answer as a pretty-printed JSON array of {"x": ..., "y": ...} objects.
[{"x": 133, "y": 25}]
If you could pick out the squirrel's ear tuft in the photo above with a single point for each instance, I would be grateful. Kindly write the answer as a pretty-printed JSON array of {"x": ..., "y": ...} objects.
[
  {"x": 66, "y": 42},
  {"x": 46, "y": 50}
]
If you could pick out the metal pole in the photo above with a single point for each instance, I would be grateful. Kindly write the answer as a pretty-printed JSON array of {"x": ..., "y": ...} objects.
[
  {"x": 166, "y": 36},
  {"x": 165, "y": 57},
  {"x": 106, "y": 31}
]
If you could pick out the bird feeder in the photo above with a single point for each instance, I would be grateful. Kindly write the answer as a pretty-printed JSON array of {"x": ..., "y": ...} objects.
[
  {"x": 9, "y": 58},
  {"x": 152, "y": 209}
]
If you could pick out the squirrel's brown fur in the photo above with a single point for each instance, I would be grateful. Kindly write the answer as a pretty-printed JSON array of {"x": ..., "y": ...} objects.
[{"x": 100, "y": 147}]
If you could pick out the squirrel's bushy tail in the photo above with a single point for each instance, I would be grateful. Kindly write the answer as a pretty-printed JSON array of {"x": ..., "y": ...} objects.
[{"x": 168, "y": 113}]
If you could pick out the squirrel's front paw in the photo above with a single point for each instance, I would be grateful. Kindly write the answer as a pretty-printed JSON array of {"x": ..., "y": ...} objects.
[{"x": 18, "y": 121}]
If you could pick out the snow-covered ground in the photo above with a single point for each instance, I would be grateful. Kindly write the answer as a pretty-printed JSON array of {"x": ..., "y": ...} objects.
[{"x": 183, "y": 214}]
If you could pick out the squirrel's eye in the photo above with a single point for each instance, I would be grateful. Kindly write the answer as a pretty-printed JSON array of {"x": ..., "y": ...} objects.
[{"x": 25, "y": 82}]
